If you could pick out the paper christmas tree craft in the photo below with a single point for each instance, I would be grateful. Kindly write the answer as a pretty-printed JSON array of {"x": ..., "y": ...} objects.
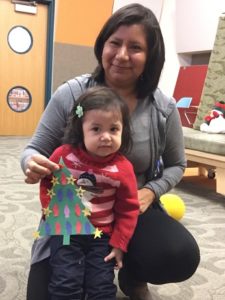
[{"x": 65, "y": 215}]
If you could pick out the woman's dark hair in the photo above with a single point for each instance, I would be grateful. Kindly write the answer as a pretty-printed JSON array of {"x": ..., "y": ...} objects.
[
  {"x": 103, "y": 98},
  {"x": 129, "y": 15}
]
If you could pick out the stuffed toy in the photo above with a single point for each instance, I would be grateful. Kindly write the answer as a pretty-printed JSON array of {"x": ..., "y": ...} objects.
[{"x": 215, "y": 120}]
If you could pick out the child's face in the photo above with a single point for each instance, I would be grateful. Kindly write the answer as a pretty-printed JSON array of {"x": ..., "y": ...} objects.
[{"x": 102, "y": 132}]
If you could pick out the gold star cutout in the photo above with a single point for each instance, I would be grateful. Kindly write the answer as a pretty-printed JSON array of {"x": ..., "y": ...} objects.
[
  {"x": 50, "y": 193},
  {"x": 71, "y": 179},
  {"x": 80, "y": 192},
  {"x": 36, "y": 235},
  {"x": 46, "y": 211},
  {"x": 98, "y": 233},
  {"x": 54, "y": 181},
  {"x": 86, "y": 212}
]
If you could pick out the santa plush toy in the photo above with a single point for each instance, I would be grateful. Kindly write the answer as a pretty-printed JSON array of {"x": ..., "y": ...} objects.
[{"x": 215, "y": 120}]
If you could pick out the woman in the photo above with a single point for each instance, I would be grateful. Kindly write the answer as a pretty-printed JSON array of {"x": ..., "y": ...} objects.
[{"x": 130, "y": 54}]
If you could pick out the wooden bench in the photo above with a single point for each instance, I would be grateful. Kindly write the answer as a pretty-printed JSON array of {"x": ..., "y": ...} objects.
[{"x": 204, "y": 161}]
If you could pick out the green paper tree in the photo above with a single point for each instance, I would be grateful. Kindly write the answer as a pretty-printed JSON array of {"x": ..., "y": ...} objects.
[{"x": 66, "y": 215}]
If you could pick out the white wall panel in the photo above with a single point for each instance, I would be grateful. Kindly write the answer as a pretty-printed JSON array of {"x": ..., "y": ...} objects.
[
  {"x": 196, "y": 24},
  {"x": 154, "y": 5},
  {"x": 171, "y": 67}
]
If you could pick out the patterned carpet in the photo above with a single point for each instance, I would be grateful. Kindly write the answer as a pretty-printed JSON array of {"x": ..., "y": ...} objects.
[{"x": 20, "y": 212}]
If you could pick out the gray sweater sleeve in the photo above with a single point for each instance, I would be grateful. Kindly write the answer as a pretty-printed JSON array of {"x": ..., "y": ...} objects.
[
  {"x": 173, "y": 157},
  {"x": 49, "y": 131}
]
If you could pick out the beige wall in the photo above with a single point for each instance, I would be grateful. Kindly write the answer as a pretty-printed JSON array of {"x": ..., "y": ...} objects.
[
  {"x": 77, "y": 24},
  {"x": 70, "y": 61}
]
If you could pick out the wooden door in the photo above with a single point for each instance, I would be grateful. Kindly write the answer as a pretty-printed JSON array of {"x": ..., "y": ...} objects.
[{"x": 23, "y": 44}]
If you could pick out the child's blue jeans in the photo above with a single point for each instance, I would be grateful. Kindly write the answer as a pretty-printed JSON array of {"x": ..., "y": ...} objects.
[{"x": 80, "y": 267}]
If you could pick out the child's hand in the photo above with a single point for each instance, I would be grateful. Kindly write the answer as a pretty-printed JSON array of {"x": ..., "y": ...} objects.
[{"x": 118, "y": 255}]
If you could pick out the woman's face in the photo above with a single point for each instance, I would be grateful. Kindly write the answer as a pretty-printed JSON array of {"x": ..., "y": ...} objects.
[{"x": 124, "y": 56}]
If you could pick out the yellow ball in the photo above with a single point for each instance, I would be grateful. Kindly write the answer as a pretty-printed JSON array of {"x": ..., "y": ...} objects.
[{"x": 174, "y": 205}]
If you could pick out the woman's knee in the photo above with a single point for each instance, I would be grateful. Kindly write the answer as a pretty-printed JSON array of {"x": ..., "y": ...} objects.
[
  {"x": 162, "y": 250},
  {"x": 169, "y": 265},
  {"x": 188, "y": 258}
]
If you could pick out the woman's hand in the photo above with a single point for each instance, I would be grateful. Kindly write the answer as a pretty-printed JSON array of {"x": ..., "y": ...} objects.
[
  {"x": 118, "y": 255},
  {"x": 145, "y": 197},
  {"x": 38, "y": 166}
]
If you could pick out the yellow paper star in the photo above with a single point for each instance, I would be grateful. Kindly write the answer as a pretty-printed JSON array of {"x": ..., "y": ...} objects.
[
  {"x": 70, "y": 179},
  {"x": 98, "y": 233},
  {"x": 54, "y": 181},
  {"x": 36, "y": 235},
  {"x": 50, "y": 193},
  {"x": 80, "y": 192},
  {"x": 46, "y": 211},
  {"x": 86, "y": 212}
]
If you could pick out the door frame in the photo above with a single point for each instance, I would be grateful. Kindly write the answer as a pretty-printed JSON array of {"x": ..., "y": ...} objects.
[{"x": 49, "y": 47}]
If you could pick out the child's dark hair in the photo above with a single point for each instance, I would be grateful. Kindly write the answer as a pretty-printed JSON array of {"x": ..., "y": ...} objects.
[{"x": 103, "y": 98}]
